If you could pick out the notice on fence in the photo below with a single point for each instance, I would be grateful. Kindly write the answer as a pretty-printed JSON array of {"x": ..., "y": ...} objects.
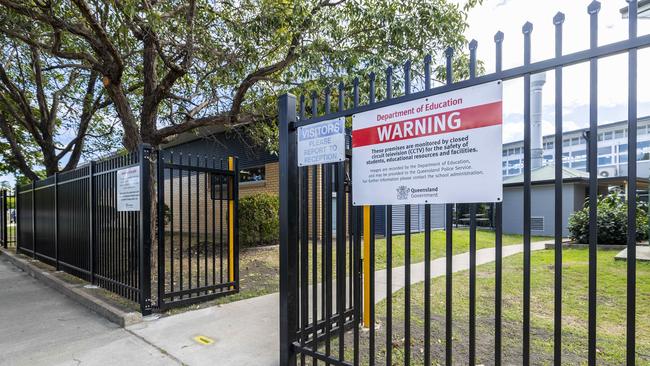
[
  {"x": 322, "y": 142},
  {"x": 128, "y": 189},
  {"x": 441, "y": 149}
]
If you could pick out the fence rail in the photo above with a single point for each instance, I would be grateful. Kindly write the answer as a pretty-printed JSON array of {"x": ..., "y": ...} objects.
[
  {"x": 74, "y": 222},
  {"x": 70, "y": 220},
  {"x": 302, "y": 341}
]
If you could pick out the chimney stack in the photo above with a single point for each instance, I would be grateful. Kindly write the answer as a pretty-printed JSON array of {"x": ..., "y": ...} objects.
[{"x": 537, "y": 82}]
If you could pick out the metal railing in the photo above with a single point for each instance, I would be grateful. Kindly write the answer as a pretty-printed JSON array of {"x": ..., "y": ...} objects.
[
  {"x": 70, "y": 220},
  {"x": 309, "y": 321},
  {"x": 73, "y": 221}
]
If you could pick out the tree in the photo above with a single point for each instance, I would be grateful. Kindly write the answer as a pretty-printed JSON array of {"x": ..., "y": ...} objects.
[
  {"x": 46, "y": 108},
  {"x": 172, "y": 66}
]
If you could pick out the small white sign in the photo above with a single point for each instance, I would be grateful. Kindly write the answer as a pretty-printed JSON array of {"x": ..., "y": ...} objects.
[
  {"x": 128, "y": 189},
  {"x": 322, "y": 142},
  {"x": 442, "y": 149}
]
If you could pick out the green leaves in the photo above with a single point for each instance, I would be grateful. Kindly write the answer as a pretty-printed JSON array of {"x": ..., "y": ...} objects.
[
  {"x": 611, "y": 220},
  {"x": 259, "y": 220},
  {"x": 207, "y": 53}
]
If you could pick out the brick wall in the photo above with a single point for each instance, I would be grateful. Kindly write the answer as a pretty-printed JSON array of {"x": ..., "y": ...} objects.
[{"x": 195, "y": 197}]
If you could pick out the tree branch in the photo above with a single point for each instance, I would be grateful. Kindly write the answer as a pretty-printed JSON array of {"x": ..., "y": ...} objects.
[{"x": 21, "y": 162}]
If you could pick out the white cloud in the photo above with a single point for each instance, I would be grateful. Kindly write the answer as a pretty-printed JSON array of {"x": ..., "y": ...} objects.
[{"x": 509, "y": 17}]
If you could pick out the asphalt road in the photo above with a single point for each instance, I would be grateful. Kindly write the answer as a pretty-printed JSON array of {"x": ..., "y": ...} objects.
[{"x": 39, "y": 326}]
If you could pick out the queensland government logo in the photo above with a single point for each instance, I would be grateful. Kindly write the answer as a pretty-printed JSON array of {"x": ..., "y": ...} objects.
[{"x": 402, "y": 192}]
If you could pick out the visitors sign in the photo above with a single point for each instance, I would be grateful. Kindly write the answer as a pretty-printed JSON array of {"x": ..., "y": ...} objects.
[
  {"x": 322, "y": 142},
  {"x": 128, "y": 189},
  {"x": 442, "y": 149}
]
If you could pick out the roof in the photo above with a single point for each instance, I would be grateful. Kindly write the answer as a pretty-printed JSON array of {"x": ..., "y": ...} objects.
[
  {"x": 623, "y": 123},
  {"x": 547, "y": 173},
  {"x": 193, "y": 135}
]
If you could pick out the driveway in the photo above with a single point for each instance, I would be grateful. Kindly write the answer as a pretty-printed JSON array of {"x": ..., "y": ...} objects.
[{"x": 39, "y": 326}]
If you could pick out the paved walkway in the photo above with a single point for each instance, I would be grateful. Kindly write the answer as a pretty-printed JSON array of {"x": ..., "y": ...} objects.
[
  {"x": 246, "y": 332},
  {"x": 40, "y": 326}
]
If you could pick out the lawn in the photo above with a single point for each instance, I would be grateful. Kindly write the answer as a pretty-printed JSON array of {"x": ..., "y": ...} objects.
[
  {"x": 484, "y": 239},
  {"x": 259, "y": 267},
  {"x": 611, "y": 313}
]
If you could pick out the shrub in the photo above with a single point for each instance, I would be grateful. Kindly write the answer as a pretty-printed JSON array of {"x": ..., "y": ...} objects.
[
  {"x": 259, "y": 220},
  {"x": 611, "y": 220}
]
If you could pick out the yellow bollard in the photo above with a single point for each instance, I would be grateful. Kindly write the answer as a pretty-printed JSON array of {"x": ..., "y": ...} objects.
[
  {"x": 231, "y": 226},
  {"x": 366, "y": 266}
]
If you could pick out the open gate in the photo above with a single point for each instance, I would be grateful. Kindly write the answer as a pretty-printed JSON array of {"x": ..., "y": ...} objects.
[
  {"x": 7, "y": 219},
  {"x": 322, "y": 311},
  {"x": 198, "y": 249}
]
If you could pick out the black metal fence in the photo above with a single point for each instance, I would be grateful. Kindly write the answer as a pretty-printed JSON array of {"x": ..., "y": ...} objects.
[
  {"x": 312, "y": 316},
  {"x": 71, "y": 221},
  {"x": 7, "y": 219},
  {"x": 198, "y": 250},
  {"x": 74, "y": 222}
]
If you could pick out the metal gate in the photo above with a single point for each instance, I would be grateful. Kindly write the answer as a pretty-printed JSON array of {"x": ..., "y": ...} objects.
[
  {"x": 313, "y": 318},
  {"x": 7, "y": 219},
  {"x": 198, "y": 245}
]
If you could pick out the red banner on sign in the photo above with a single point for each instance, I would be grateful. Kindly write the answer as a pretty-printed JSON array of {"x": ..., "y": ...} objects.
[{"x": 451, "y": 121}]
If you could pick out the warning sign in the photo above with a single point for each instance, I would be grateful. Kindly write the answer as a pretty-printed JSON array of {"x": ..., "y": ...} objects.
[
  {"x": 441, "y": 149},
  {"x": 128, "y": 189}
]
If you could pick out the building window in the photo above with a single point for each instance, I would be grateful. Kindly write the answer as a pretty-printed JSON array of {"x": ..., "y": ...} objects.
[
  {"x": 579, "y": 164},
  {"x": 605, "y": 160},
  {"x": 604, "y": 150},
  {"x": 619, "y": 134},
  {"x": 253, "y": 174},
  {"x": 579, "y": 154},
  {"x": 643, "y": 150}
]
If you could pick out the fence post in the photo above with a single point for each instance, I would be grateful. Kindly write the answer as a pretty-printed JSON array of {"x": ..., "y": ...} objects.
[
  {"x": 16, "y": 205},
  {"x": 160, "y": 225},
  {"x": 3, "y": 220},
  {"x": 91, "y": 190},
  {"x": 288, "y": 229},
  {"x": 233, "y": 231},
  {"x": 33, "y": 220},
  {"x": 56, "y": 220},
  {"x": 235, "y": 199},
  {"x": 144, "y": 155}
]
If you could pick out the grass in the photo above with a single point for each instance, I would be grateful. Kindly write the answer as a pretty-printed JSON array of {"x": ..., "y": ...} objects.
[
  {"x": 460, "y": 239},
  {"x": 610, "y": 309},
  {"x": 259, "y": 267}
]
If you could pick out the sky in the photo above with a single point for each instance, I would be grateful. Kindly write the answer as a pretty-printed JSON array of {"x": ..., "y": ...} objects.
[{"x": 509, "y": 16}]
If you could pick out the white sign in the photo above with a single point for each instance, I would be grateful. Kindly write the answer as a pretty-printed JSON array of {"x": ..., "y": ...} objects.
[
  {"x": 128, "y": 189},
  {"x": 322, "y": 142},
  {"x": 441, "y": 149}
]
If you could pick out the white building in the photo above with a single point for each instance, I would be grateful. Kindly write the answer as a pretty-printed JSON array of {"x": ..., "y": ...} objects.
[{"x": 612, "y": 151}]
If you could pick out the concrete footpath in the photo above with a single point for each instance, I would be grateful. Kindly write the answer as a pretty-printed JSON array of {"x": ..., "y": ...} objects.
[
  {"x": 246, "y": 332},
  {"x": 40, "y": 326}
]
